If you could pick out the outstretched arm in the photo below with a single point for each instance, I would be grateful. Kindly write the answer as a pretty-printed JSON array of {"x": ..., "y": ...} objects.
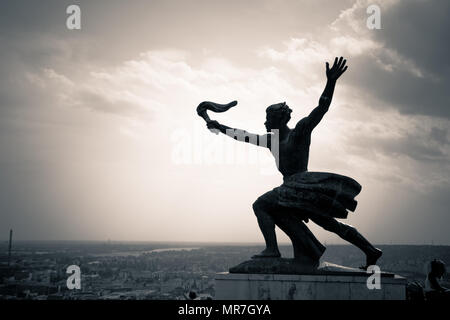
[
  {"x": 333, "y": 74},
  {"x": 241, "y": 135}
]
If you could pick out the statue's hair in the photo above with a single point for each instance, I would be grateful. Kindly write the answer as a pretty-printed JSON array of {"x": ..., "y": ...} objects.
[{"x": 280, "y": 108}]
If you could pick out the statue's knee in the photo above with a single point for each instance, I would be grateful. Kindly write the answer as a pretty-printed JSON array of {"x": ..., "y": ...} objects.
[{"x": 259, "y": 206}]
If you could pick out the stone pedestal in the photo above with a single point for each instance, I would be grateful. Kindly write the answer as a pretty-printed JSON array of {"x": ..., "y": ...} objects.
[{"x": 329, "y": 282}]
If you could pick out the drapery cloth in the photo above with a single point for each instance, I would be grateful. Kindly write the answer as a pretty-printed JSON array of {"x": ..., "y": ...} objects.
[{"x": 319, "y": 193}]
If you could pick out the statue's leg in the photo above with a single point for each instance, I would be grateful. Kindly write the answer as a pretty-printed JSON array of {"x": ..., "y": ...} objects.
[
  {"x": 349, "y": 234},
  {"x": 269, "y": 213},
  {"x": 262, "y": 208},
  {"x": 306, "y": 246}
]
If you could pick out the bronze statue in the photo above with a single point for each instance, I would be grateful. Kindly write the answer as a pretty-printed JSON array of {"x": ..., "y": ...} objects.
[{"x": 317, "y": 196}]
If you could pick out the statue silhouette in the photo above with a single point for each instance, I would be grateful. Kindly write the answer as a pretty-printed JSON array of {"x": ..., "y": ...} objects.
[{"x": 317, "y": 196}]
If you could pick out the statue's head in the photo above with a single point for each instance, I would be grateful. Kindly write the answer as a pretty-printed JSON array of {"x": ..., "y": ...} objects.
[
  {"x": 277, "y": 116},
  {"x": 438, "y": 268}
]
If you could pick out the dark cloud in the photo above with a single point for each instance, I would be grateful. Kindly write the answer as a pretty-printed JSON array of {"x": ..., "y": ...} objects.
[
  {"x": 400, "y": 89},
  {"x": 19, "y": 17},
  {"x": 418, "y": 31},
  {"x": 440, "y": 136},
  {"x": 419, "y": 146}
]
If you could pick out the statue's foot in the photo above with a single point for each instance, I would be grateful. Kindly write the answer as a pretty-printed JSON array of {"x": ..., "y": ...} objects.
[
  {"x": 372, "y": 258},
  {"x": 268, "y": 253}
]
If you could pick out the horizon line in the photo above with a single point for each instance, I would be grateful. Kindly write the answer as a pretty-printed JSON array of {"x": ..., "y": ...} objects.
[{"x": 208, "y": 242}]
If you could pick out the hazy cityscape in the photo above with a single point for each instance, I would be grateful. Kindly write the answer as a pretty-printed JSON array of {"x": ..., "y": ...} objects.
[{"x": 155, "y": 271}]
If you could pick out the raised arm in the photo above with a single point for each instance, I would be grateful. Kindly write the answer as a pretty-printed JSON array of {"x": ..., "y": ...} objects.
[
  {"x": 333, "y": 74},
  {"x": 241, "y": 135}
]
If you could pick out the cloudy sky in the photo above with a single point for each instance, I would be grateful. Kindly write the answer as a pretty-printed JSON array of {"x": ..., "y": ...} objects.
[{"x": 100, "y": 139}]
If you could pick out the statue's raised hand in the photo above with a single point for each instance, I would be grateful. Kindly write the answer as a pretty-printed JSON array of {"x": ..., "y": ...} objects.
[{"x": 337, "y": 69}]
